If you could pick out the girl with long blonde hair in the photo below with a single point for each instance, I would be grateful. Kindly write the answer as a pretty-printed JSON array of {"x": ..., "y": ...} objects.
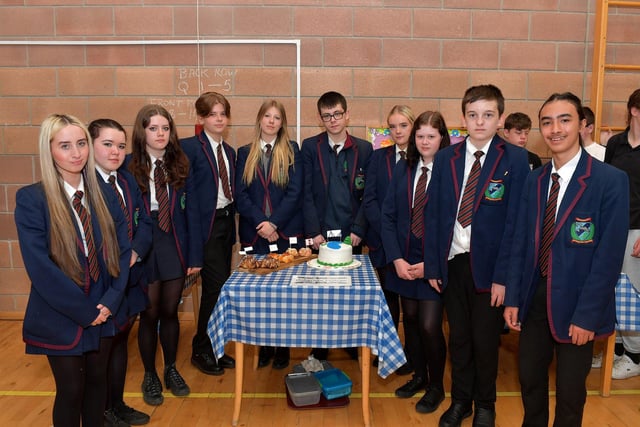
[{"x": 76, "y": 252}]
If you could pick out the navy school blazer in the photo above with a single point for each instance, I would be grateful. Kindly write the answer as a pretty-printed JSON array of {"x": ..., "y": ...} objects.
[
  {"x": 316, "y": 155},
  {"x": 204, "y": 179},
  {"x": 142, "y": 224},
  {"x": 586, "y": 254},
  {"x": 396, "y": 215},
  {"x": 379, "y": 172},
  {"x": 286, "y": 203},
  {"x": 494, "y": 211},
  {"x": 59, "y": 312},
  {"x": 184, "y": 222}
]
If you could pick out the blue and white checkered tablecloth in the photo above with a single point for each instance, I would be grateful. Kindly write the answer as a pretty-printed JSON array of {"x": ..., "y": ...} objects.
[
  {"x": 627, "y": 305},
  {"x": 266, "y": 310}
]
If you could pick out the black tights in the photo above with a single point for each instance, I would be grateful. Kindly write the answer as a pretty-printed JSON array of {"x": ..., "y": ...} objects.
[
  {"x": 424, "y": 339},
  {"x": 118, "y": 367},
  {"x": 164, "y": 298},
  {"x": 81, "y": 387}
]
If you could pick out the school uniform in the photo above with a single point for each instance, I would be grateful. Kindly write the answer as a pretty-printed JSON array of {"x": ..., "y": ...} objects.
[
  {"x": 140, "y": 227},
  {"x": 60, "y": 312},
  {"x": 468, "y": 261},
  {"x": 585, "y": 258},
  {"x": 334, "y": 187},
  {"x": 173, "y": 252},
  {"x": 215, "y": 215},
  {"x": 262, "y": 200},
  {"x": 398, "y": 240},
  {"x": 378, "y": 172}
]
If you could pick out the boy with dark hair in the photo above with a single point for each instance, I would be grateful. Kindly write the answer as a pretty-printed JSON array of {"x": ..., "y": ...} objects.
[
  {"x": 572, "y": 227},
  {"x": 516, "y": 131},
  {"x": 334, "y": 164},
  {"x": 469, "y": 224}
]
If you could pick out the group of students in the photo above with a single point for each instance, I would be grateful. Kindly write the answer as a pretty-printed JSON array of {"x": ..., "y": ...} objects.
[{"x": 465, "y": 228}]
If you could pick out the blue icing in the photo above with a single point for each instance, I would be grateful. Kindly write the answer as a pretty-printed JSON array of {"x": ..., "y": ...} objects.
[{"x": 333, "y": 245}]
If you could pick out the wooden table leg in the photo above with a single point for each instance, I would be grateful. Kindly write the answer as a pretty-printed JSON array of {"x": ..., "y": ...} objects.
[
  {"x": 238, "y": 390},
  {"x": 607, "y": 365},
  {"x": 366, "y": 377}
]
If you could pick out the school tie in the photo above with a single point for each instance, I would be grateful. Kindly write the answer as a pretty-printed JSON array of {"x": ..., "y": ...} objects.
[
  {"x": 160, "y": 180},
  {"x": 224, "y": 175},
  {"x": 112, "y": 181},
  {"x": 466, "y": 206},
  {"x": 266, "y": 160},
  {"x": 267, "y": 151},
  {"x": 336, "y": 147},
  {"x": 417, "y": 213},
  {"x": 549, "y": 224},
  {"x": 403, "y": 155},
  {"x": 94, "y": 269}
]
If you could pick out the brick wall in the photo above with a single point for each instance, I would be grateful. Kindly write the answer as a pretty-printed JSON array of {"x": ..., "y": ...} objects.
[{"x": 424, "y": 53}]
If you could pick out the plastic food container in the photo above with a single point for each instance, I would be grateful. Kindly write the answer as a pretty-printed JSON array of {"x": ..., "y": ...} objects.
[
  {"x": 334, "y": 383},
  {"x": 304, "y": 389}
]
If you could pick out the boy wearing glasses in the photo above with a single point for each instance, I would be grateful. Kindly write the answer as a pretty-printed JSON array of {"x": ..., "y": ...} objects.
[{"x": 334, "y": 164}]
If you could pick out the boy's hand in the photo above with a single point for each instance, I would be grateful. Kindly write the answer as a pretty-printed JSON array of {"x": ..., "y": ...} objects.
[
  {"x": 497, "y": 295},
  {"x": 511, "y": 317},
  {"x": 436, "y": 284},
  {"x": 580, "y": 336}
]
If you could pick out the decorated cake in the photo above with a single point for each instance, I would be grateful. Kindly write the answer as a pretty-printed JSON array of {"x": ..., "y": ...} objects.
[{"x": 335, "y": 254}]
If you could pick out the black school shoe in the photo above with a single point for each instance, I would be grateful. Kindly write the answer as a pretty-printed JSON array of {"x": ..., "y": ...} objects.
[
  {"x": 174, "y": 381},
  {"x": 281, "y": 359},
  {"x": 112, "y": 420},
  {"x": 430, "y": 401},
  {"x": 152, "y": 389},
  {"x": 414, "y": 385},
  {"x": 227, "y": 362},
  {"x": 453, "y": 416},
  {"x": 130, "y": 415},
  {"x": 265, "y": 356},
  {"x": 206, "y": 364}
]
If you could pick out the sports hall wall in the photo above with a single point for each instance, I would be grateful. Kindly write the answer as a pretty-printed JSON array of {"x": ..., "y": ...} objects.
[{"x": 378, "y": 53}]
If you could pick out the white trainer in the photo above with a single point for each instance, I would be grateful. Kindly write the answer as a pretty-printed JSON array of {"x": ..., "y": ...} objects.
[
  {"x": 625, "y": 368},
  {"x": 596, "y": 361}
]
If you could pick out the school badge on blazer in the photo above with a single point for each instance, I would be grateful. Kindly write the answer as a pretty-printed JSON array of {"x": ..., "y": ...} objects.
[
  {"x": 582, "y": 231},
  {"x": 495, "y": 190},
  {"x": 183, "y": 201}
]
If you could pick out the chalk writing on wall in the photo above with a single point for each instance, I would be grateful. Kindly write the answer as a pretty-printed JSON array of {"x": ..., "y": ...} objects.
[{"x": 190, "y": 83}]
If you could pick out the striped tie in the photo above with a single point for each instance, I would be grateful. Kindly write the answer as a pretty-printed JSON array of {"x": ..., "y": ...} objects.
[
  {"x": 403, "y": 155},
  {"x": 224, "y": 175},
  {"x": 85, "y": 219},
  {"x": 112, "y": 181},
  {"x": 417, "y": 213},
  {"x": 548, "y": 225},
  {"x": 267, "y": 150},
  {"x": 160, "y": 180},
  {"x": 466, "y": 206}
]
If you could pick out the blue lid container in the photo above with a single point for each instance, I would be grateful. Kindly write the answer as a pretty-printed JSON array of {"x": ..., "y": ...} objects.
[{"x": 334, "y": 383}]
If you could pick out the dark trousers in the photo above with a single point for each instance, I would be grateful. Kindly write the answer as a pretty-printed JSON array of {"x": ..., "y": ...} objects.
[
  {"x": 215, "y": 271},
  {"x": 474, "y": 336},
  {"x": 537, "y": 347}
]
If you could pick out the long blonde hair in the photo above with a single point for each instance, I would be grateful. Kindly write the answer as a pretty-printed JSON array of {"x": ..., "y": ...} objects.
[
  {"x": 282, "y": 156},
  {"x": 62, "y": 234}
]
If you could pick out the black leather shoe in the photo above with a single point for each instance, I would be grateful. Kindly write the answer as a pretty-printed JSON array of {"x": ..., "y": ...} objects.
[
  {"x": 264, "y": 357},
  {"x": 112, "y": 420},
  {"x": 281, "y": 359},
  {"x": 320, "y": 353},
  {"x": 174, "y": 382},
  {"x": 430, "y": 401},
  {"x": 405, "y": 369},
  {"x": 152, "y": 389},
  {"x": 484, "y": 417},
  {"x": 414, "y": 385},
  {"x": 227, "y": 362},
  {"x": 130, "y": 415},
  {"x": 453, "y": 416},
  {"x": 206, "y": 364}
]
